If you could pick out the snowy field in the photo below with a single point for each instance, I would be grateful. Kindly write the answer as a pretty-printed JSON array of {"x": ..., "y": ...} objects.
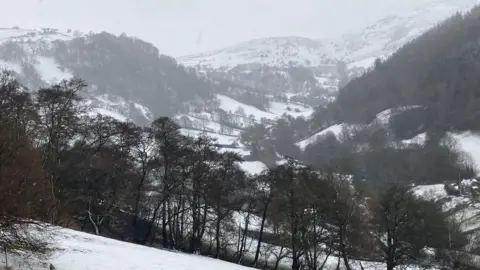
[{"x": 229, "y": 104}]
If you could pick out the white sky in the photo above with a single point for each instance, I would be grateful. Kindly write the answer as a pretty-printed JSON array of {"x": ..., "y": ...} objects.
[{"x": 179, "y": 27}]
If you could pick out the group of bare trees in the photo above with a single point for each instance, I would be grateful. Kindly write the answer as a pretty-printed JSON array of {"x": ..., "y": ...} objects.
[
  {"x": 63, "y": 165},
  {"x": 151, "y": 185},
  {"x": 318, "y": 216}
]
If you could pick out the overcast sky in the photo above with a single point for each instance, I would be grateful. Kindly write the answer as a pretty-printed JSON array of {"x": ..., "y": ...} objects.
[{"x": 179, "y": 27}]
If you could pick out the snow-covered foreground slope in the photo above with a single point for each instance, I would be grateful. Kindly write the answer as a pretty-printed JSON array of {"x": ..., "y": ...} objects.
[
  {"x": 81, "y": 251},
  {"x": 74, "y": 250}
]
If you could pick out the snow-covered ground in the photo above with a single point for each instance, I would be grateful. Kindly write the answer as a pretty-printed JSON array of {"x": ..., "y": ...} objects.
[
  {"x": 6, "y": 65},
  {"x": 74, "y": 250},
  {"x": 418, "y": 139},
  {"x": 206, "y": 124},
  {"x": 253, "y": 167},
  {"x": 295, "y": 110},
  {"x": 274, "y": 51},
  {"x": 335, "y": 130},
  {"x": 221, "y": 139},
  {"x": 111, "y": 113},
  {"x": 49, "y": 70},
  {"x": 197, "y": 123},
  {"x": 81, "y": 251},
  {"x": 469, "y": 143},
  {"x": 33, "y": 35},
  {"x": 463, "y": 208},
  {"x": 365, "y": 63},
  {"x": 229, "y": 104}
]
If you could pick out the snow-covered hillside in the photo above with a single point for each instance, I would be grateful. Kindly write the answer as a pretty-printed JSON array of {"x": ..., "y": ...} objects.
[
  {"x": 75, "y": 250},
  {"x": 227, "y": 129},
  {"x": 275, "y": 52}
]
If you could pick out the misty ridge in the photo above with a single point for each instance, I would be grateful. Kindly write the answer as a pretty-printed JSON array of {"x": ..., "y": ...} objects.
[{"x": 357, "y": 152}]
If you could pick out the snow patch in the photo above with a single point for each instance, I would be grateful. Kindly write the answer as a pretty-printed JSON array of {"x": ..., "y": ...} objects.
[
  {"x": 364, "y": 63},
  {"x": 145, "y": 111},
  {"x": 229, "y": 104},
  {"x": 50, "y": 71},
  {"x": 80, "y": 251},
  {"x": 279, "y": 108},
  {"x": 383, "y": 117},
  {"x": 106, "y": 112},
  {"x": 335, "y": 129},
  {"x": 469, "y": 143},
  {"x": 253, "y": 167},
  {"x": 430, "y": 192},
  {"x": 10, "y": 66},
  {"x": 221, "y": 139},
  {"x": 418, "y": 139}
]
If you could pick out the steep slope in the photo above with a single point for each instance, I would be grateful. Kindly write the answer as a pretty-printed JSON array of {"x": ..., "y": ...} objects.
[{"x": 436, "y": 71}]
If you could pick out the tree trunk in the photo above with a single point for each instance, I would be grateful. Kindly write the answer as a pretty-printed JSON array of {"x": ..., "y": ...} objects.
[
  {"x": 343, "y": 248},
  {"x": 244, "y": 237},
  {"x": 93, "y": 223},
  {"x": 260, "y": 236},
  {"x": 164, "y": 225},
  {"x": 279, "y": 258},
  {"x": 390, "y": 265},
  {"x": 217, "y": 234},
  {"x": 150, "y": 225},
  {"x": 390, "y": 259},
  {"x": 137, "y": 199}
]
